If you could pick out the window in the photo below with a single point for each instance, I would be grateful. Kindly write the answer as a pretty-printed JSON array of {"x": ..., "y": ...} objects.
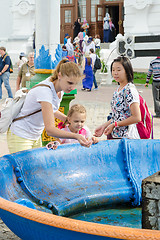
[
  {"x": 93, "y": 9},
  {"x": 67, "y": 16},
  {"x": 66, "y": 1},
  {"x": 100, "y": 14},
  {"x": 82, "y": 9}
]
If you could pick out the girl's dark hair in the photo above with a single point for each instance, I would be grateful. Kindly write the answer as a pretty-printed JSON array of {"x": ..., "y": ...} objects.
[{"x": 127, "y": 66}]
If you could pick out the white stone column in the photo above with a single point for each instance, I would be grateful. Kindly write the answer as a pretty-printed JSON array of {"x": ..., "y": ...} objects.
[
  {"x": 54, "y": 27},
  {"x": 47, "y": 25}
]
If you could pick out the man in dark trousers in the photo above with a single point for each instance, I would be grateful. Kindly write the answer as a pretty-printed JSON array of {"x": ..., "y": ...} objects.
[
  {"x": 5, "y": 63},
  {"x": 154, "y": 69}
]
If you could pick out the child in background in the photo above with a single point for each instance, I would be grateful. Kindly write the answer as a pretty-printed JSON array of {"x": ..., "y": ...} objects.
[
  {"x": 75, "y": 123},
  {"x": 97, "y": 41}
]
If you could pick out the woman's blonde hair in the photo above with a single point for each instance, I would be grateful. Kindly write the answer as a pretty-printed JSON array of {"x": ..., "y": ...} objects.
[{"x": 66, "y": 68}]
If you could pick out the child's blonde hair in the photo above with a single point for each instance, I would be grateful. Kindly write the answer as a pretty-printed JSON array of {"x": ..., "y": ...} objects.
[
  {"x": 66, "y": 68},
  {"x": 76, "y": 108}
]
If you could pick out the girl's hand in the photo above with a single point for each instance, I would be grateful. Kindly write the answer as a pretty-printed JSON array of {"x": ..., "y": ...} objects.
[
  {"x": 95, "y": 140},
  {"x": 84, "y": 142},
  {"x": 109, "y": 129}
]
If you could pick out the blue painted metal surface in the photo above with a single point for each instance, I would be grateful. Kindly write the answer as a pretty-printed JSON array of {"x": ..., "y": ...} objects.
[{"x": 73, "y": 178}]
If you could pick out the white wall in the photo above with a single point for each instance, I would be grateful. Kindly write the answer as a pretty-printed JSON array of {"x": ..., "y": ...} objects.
[{"x": 142, "y": 17}]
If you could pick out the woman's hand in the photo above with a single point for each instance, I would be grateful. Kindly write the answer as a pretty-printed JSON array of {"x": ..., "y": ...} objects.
[
  {"x": 100, "y": 130},
  {"x": 109, "y": 129},
  {"x": 83, "y": 141}
]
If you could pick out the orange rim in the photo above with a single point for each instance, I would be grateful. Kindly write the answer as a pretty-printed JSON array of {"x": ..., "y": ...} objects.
[
  {"x": 78, "y": 225},
  {"x": 44, "y": 71}
]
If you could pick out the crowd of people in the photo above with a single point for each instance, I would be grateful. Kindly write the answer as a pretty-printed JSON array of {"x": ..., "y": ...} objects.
[
  {"x": 125, "y": 104},
  {"x": 83, "y": 50}
]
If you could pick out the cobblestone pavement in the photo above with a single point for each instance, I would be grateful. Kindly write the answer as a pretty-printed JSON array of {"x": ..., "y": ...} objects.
[{"x": 97, "y": 104}]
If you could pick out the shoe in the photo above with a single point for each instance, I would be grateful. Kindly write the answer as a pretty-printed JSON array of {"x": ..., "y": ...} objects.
[
  {"x": 156, "y": 116},
  {"x": 83, "y": 89},
  {"x": 95, "y": 88},
  {"x": 88, "y": 90}
]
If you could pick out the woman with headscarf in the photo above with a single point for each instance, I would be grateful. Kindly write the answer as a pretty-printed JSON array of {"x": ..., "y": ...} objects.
[
  {"x": 77, "y": 27},
  {"x": 88, "y": 44},
  {"x": 106, "y": 28},
  {"x": 69, "y": 47},
  {"x": 85, "y": 26}
]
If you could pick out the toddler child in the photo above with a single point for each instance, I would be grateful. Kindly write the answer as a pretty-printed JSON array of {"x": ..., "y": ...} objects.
[{"x": 75, "y": 123}]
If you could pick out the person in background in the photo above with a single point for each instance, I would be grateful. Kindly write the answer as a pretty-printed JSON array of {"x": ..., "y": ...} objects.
[
  {"x": 25, "y": 133},
  {"x": 106, "y": 28},
  {"x": 22, "y": 60},
  {"x": 112, "y": 31},
  {"x": 87, "y": 66},
  {"x": 64, "y": 52},
  {"x": 77, "y": 52},
  {"x": 26, "y": 72},
  {"x": 81, "y": 36},
  {"x": 77, "y": 27},
  {"x": 154, "y": 69},
  {"x": 124, "y": 105},
  {"x": 97, "y": 41},
  {"x": 66, "y": 38},
  {"x": 75, "y": 123},
  {"x": 5, "y": 63},
  {"x": 88, "y": 44},
  {"x": 69, "y": 47},
  {"x": 85, "y": 26},
  {"x": 93, "y": 56}
]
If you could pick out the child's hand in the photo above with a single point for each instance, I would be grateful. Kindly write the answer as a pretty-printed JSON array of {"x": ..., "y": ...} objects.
[
  {"x": 83, "y": 141},
  {"x": 52, "y": 145},
  {"x": 95, "y": 140}
]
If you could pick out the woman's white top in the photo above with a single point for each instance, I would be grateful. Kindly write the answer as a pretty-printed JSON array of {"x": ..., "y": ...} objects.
[{"x": 32, "y": 127}]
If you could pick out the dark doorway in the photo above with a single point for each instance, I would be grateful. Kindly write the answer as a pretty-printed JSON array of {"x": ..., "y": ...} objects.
[{"x": 114, "y": 14}]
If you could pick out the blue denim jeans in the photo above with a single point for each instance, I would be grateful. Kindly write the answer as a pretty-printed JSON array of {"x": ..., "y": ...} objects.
[
  {"x": 94, "y": 78},
  {"x": 5, "y": 78}
]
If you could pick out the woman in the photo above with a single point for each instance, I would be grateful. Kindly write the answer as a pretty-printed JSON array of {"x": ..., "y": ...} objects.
[
  {"x": 87, "y": 65},
  {"x": 85, "y": 26},
  {"x": 26, "y": 133},
  {"x": 106, "y": 28},
  {"x": 124, "y": 105},
  {"x": 77, "y": 27}
]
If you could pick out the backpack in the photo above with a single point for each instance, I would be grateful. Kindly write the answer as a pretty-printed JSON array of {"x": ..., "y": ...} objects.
[
  {"x": 106, "y": 25},
  {"x": 12, "y": 107},
  {"x": 97, "y": 64},
  {"x": 11, "y": 65},
  {"x": 145, "y": 127}
]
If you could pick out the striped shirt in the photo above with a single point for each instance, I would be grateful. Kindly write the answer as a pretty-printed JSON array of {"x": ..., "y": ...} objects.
[{"x": 154, "y": 69}]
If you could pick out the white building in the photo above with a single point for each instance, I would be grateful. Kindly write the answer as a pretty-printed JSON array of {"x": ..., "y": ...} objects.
[{"x": 18, "y": 22}]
